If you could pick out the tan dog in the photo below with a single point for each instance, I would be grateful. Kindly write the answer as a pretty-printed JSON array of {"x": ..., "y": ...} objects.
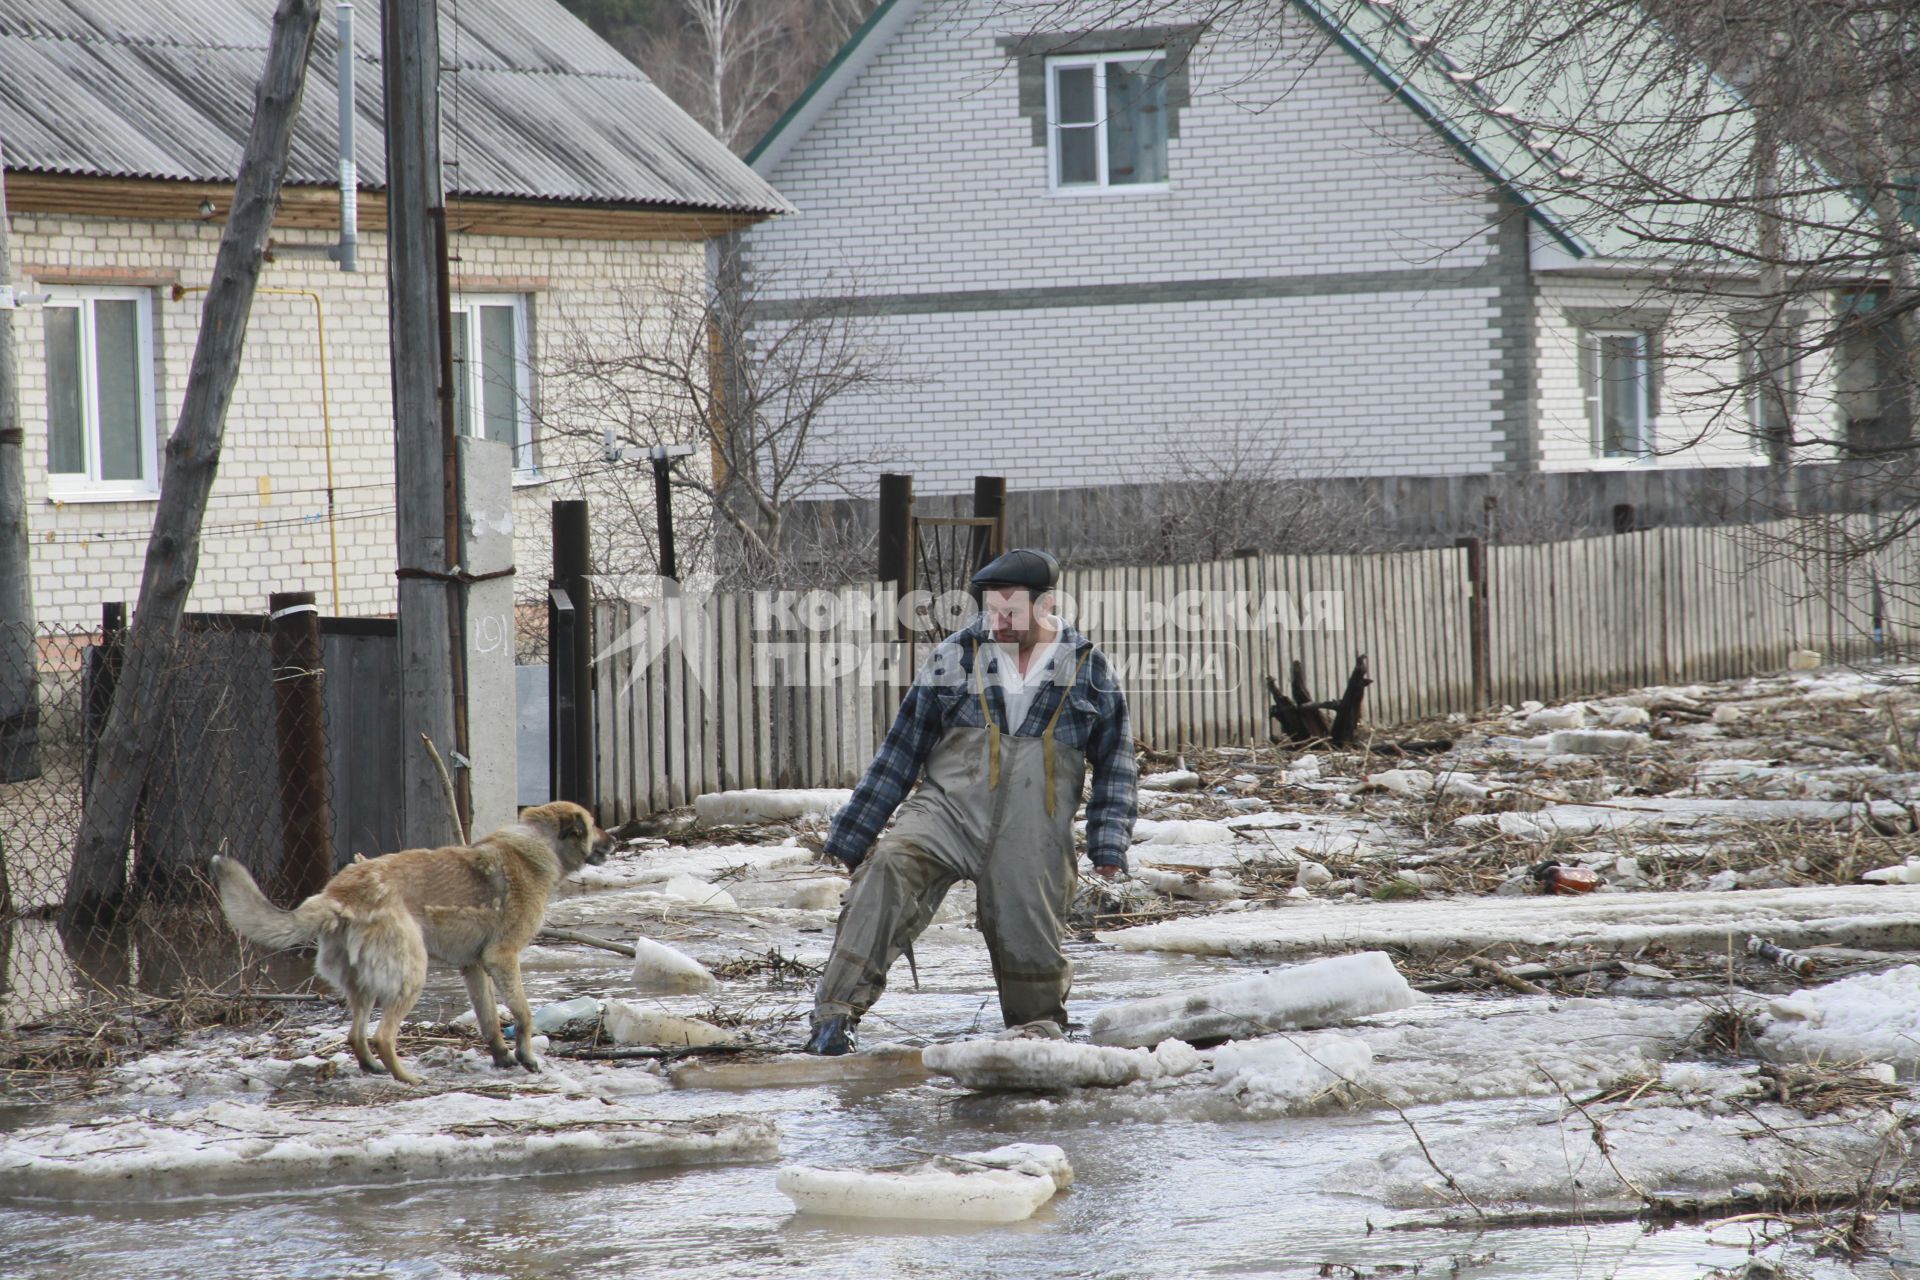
[{"x": 475, "y": 907}]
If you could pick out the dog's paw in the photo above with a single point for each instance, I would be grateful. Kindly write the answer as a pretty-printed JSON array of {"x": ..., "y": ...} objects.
[
  {"x": 504, "y": 1059},
  {"x": 531, "y": 1063}
]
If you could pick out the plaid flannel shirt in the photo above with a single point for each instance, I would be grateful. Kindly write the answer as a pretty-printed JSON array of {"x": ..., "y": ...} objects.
[{"x": 942, "y": 697}]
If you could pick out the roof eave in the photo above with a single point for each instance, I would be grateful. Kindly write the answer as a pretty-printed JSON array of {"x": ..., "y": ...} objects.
[
  {"x": 860, "y": 49},
  {"x": 1460, "y": 140}
]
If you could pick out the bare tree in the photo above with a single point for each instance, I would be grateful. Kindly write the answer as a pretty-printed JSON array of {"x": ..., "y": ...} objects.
[
  {"x": 729, "y": 63},
  {"x": 748, "y": 380}
]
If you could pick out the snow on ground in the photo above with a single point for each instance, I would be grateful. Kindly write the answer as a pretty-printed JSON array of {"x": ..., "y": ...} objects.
[
  {"x": 1005, "y": 1184},
  {"x": 232, "y": 1146},
  {"x": 1873, "y": 1016},
  {"x": 1886, "y": 916}
]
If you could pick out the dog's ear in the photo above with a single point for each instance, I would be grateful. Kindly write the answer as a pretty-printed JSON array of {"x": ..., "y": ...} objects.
[{"x": 575, "y": 826}]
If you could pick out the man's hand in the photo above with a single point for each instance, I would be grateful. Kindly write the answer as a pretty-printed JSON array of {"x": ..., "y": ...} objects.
[{"x": 1109, "y": 872}]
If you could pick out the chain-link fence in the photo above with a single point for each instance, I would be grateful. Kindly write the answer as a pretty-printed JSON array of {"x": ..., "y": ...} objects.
[{"x": 241, "y": 763}]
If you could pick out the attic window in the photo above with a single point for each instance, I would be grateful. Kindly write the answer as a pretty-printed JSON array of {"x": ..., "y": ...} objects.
[{"x": 1107, "y": 120}]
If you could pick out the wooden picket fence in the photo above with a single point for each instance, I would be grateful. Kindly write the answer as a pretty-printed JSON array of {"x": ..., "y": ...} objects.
[{"x": 797, "y": 689}]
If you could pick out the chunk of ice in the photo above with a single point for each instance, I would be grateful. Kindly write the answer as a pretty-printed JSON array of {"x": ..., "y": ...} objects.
[
  {"x": 1571, "y": 716},
  {"x": 659, "y": 968},
  {"x": 1006, "y": 1184},
  {"x": 822, "y": 893},
  {"x": 1401, "y": 782},
  {"x": 1176, "y": 831},
  {"x": 1175, "y": 780},
  {"x": 1308, "y": 995},
  {"x": 1907, "y": 872},
  {"x": 1190, "y": 887},
  {"x": 628, "y": 1025},
  {"x": 1037, "y": 1064},
  {"x": 746, "y": 808},
  {"x": 1287, "y": 1072},
  {"x": 1870, "y": 1015}
]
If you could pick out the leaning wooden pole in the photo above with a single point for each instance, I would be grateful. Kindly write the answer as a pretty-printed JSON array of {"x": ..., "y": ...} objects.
[{"x": 97, "y": 882}]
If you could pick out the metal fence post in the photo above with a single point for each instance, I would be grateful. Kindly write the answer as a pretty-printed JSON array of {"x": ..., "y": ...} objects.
[
  {"x": 300, "y": 733},
  {"x": 1479, "y": 619}
]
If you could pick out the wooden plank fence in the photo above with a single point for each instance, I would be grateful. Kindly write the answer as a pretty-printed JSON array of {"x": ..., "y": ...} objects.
[{"x": 796, "y": 689}]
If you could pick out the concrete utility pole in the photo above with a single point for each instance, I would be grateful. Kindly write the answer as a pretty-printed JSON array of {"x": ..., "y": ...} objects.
[
  {"x": 96, "y": 885},
  {"x": 432, "y": 632},
  {"x": 19, "y": 682}
]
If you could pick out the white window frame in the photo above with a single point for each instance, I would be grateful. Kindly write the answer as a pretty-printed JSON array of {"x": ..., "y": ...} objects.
[
  {"x": 1753, "y": 355},
  {"x": 466, "y": 313},
  {"x": 1596, "y": 394},
  {"x": 73, "y": 486},
  {"x": 1098, "y": 61}
]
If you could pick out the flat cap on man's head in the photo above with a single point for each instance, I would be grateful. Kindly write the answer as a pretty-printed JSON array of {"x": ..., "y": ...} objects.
[{"x": 1022, "y": 567}]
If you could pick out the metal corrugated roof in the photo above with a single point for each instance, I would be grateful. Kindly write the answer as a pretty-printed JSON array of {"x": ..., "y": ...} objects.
[{"x": 534, "y": 104}]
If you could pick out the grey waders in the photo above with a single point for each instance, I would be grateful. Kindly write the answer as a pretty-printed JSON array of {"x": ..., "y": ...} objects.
[{"x": 991, "y": 808}]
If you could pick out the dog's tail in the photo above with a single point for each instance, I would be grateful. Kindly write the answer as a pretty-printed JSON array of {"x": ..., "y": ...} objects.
[{"x": 257, "y": 919}]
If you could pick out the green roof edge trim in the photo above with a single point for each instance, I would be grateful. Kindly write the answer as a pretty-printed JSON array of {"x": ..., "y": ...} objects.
[
  {"x": 1458, "y": 140},
  {"x": 819, "y": 81}
]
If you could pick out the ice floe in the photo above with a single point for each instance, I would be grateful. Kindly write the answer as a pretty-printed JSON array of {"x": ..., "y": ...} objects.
[
  {"x": 1552, "y": 1159},
  {"x": 1006, "y": 1184},
  {"x": 1054, "y": 1064},
  {"x": 250, "y": 1146},
  {"x": 1309, "y": 995},
  {"x": 1846, "y": 915}
]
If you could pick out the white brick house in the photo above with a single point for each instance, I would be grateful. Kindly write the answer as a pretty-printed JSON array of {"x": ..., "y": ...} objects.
[
  {"x": 1293, "y": 240},
  {"x": 572, "y": 183}
]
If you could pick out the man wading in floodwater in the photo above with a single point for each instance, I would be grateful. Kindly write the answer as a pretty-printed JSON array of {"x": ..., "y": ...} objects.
[{"x": 999, "y": 729}]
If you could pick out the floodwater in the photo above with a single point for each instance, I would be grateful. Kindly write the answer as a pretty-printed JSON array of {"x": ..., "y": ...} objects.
[{"x": 1177, "y": 1198}]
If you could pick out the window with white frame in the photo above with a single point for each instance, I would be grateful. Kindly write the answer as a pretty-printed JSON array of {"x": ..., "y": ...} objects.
[
  {"x": 1107, "y": 120},
  {"x": 1770, "y": 381},
  {"x": 1619, "y": 389},
  {"x": 100, "y": 413},
  {"x": 492, "y": 373}
]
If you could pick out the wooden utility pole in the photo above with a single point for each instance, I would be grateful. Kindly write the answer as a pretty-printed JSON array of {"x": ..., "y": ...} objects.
[
  {"x": 19, "y": 683},
  {"x": 96, "y": 885},
  {"x": 425, "y": 477}
]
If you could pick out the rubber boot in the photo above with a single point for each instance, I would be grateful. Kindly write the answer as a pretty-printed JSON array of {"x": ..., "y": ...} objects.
[{"x": 832, "y": 1036}]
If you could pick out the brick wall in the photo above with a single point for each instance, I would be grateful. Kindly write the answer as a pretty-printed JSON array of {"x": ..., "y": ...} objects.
[
  {"x": 923, "y": 192},
  {"x": 266, "y": 526},
  {"x": 1372, "y": 351}
]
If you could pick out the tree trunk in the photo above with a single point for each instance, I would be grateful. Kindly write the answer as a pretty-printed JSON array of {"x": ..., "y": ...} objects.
[
  {"x": 19, "y": 682},
  {"x": 96, "y": 885}
]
